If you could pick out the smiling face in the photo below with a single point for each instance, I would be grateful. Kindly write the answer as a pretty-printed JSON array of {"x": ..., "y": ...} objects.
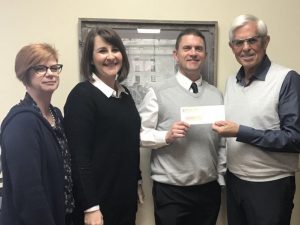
[
  {"x": 190, "y": 55},
  {"x": 249, "y": 54},
  {"x": 44, "y": 84},
  {"x": 107, "y": 59}
]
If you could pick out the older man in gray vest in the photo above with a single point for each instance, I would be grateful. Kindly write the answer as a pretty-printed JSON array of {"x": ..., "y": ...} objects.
[{"x": 262, "y": 103}]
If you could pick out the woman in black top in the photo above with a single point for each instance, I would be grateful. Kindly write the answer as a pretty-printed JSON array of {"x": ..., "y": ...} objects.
[{"x": 102, "y": 126}]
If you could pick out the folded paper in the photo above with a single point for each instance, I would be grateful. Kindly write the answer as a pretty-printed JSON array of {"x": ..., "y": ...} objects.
[{"x": 202, "y": 114}]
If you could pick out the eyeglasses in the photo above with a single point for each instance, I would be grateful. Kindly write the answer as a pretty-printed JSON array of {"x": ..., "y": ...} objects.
[
  {"x": 250, "y": 41},
  {"x": 42, "y": 69}
]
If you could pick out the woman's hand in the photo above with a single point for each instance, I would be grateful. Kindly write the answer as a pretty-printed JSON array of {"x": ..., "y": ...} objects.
[
  {"x": 93, "y": 218},
  {"x": 141, "y": 195}
]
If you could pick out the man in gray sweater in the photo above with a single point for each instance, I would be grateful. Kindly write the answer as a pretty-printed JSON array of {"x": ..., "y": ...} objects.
[
  {"x": 262, "y": 103},
  {"x": 184, "y": 158}
]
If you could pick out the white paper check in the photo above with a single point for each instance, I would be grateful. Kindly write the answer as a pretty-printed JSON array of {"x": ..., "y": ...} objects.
[{"x": 202, "y": 114}]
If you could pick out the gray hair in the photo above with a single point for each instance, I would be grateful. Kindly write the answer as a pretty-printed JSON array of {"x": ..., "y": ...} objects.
[{"x": 242, "y": 20}]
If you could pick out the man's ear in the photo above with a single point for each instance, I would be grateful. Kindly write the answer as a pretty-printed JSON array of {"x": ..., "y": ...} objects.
[
  {"x": 230, "y": 45},
  {"x": 175, "y": 55},
  {"x": 266, "y": 41}
]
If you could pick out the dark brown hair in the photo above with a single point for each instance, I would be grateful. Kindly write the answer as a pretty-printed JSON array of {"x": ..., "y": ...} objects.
[
  {"x": 110, "y": 36},
  {"x": 189, "y": 31}
]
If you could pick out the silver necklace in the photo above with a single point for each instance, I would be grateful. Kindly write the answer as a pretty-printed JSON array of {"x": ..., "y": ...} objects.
[{"x": 53, "y": 118}]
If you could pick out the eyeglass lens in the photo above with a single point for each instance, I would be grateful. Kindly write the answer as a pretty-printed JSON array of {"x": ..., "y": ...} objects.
[
  {"x": 42, "y": 69},
  {"x": 250, "y": 41}
]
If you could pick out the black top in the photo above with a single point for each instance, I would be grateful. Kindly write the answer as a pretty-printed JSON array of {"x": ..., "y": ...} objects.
[{"x": 103, "y": 134}]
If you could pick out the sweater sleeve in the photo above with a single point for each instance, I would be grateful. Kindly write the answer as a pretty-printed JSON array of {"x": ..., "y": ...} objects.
[
  {"x": 79, "y": 117},
  {"x": 22, "y": 155}
]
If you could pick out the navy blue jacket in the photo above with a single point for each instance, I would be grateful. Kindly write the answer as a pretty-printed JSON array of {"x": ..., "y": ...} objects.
[{"x": 33, "y": 176}]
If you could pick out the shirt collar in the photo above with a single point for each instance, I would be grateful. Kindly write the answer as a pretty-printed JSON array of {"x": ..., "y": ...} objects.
[
  {"x": 107, "y": 90},
  {"x": 185, "y": 82},
  {"x": 259, "y": 75}
]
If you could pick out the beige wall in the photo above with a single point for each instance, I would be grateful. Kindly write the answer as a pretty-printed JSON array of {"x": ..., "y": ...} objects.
[{"x": 56, "y": 22}]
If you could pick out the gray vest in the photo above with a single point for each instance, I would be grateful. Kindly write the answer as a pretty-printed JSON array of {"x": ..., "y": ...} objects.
[
  {"x": 256, "y": 106},
  {"x": 191, "y": 160}
]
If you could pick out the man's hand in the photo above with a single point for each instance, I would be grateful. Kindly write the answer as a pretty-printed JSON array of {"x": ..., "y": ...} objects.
[
  {"x": 93, "y": 218},
  {"x": 178, "y": 130},
  {"x": 226, "y": 128}
]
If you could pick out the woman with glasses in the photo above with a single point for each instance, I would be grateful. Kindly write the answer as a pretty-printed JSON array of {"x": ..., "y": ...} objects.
[
  {"x": 103, "y": 128},
  {"x": 37, "y": 185}
]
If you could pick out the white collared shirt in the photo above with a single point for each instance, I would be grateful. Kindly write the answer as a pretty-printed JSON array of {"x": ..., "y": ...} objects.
[
  {"x": 186, "y": 83},
  {"x": 107, "y": 90}
]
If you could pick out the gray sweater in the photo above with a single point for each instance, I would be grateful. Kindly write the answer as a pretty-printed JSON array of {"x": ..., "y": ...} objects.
[{"x": 192, "y": 160}]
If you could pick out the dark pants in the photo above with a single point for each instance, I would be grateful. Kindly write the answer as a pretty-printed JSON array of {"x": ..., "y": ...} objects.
[
  {"x": 115, "y": 216},
  {"x": 186, "y": 205},
  {"x": 259, "y": 203}
]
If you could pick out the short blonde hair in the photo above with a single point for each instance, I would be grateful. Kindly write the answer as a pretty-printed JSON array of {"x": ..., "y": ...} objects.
[{"x": 32, "y": 55}]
